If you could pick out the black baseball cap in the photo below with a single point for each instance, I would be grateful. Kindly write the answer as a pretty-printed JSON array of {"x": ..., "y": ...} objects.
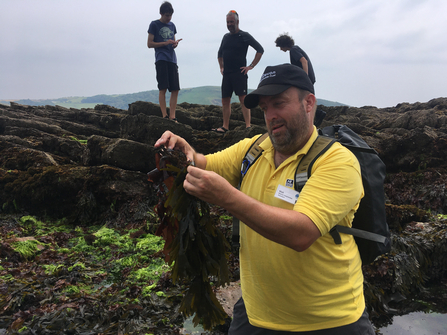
[{"x": 276, "y": 79}]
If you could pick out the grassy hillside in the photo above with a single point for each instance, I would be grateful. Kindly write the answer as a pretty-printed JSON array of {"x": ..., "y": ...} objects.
[{"x": 204, "y": 95}]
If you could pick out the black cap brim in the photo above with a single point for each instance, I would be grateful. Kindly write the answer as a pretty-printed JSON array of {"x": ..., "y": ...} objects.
[{"x": 252, "y": 99}]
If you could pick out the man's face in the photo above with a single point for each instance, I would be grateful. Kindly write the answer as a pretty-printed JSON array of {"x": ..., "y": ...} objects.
[
  {"x": 288, "y": 123},
  {"x": 232, "y": 24},
  {"x": 284, "y": 49},
  {"x": 166, "y": 17}
]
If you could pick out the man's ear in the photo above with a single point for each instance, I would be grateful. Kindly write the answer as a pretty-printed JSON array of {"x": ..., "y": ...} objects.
[{"x": 311, "y": 102}]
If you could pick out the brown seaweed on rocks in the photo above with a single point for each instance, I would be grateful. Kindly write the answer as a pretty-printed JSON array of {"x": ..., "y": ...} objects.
[{"x": 194, "y": 246}]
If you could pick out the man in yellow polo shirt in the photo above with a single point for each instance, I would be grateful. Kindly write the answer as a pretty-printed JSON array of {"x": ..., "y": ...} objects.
[{"x": 294, "y": 278}]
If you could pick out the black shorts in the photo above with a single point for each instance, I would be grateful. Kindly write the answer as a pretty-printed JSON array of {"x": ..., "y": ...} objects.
[
  {"x": 241, "y": 326},
  {"x": 167, "y": 76},
  {"x": 234, "y": 82}
]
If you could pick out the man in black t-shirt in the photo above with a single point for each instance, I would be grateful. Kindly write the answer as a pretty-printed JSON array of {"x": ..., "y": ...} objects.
[
  {"x": 233, "y": 66},
  {"x": 297, "y": 55},
  {"x": 299, "y": 58}
]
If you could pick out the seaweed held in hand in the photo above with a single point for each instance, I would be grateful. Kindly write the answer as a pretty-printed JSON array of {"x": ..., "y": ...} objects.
[{"x": 194, "y": 246}]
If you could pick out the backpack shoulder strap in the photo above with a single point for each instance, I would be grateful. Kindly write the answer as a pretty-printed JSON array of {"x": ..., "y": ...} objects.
[
  {"x": 304, "y": 168},
  {"x": 251, "y": 156},
  {"x": 336, "y": 230}
]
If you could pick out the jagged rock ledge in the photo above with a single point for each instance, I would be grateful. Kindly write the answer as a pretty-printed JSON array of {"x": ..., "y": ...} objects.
[{"x": 90, "y": 166}]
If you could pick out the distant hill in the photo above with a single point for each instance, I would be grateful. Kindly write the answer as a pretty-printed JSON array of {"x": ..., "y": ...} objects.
[{"x": 204, "y": 95}]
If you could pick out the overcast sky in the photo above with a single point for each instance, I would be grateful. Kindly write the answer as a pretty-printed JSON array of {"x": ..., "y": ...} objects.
[{"x": 368, "y": 52}]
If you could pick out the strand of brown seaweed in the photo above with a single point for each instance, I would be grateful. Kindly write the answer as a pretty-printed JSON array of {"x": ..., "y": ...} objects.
[{"x": 194, "y": 247}]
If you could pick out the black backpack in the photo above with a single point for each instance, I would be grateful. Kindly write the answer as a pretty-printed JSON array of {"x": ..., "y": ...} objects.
[{"x": 369, "y": 226}]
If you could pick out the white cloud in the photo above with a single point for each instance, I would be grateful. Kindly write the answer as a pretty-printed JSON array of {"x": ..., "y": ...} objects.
[{"x": 371, "y": 52}]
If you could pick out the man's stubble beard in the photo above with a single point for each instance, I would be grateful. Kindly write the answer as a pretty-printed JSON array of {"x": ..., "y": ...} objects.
[{"x": 295, "y": 137}]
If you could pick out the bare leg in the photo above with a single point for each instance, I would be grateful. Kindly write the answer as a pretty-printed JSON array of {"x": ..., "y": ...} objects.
[
  {"x": 226, "y": 112},
  {"x": 245, "y": 111},
  {"x": 162, "y": 102},
  {"x": 173, "y": 104}
]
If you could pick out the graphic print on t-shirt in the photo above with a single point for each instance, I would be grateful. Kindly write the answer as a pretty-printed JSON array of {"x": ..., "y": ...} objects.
[{"x": 166, "y": 33}]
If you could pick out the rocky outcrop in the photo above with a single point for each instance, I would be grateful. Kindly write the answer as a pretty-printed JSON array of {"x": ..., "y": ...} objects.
[
  {"x": 74, "y": 146},
  {"x": 89, "y": 166}
]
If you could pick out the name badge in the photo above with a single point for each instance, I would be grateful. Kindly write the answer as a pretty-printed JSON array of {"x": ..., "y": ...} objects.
[{"x": 287, "y": 194}]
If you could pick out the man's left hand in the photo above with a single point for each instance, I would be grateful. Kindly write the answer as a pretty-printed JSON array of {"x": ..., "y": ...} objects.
[{"x": 175, "y": 44}]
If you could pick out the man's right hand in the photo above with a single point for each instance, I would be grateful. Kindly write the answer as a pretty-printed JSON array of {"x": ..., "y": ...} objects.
[{"x": 171, "y": 141}]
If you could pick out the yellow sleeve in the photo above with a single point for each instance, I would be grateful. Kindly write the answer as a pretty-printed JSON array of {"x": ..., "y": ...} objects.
[{"x": 227, "y": 162}]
